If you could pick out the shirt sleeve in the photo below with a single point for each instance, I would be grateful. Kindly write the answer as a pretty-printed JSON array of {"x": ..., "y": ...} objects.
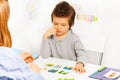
[
  {"x": 12, "y": 66},
  {"x": 45, "y": 51},
  {"x": 19, "y": 51},
  {"x": 80, "y": 51}
]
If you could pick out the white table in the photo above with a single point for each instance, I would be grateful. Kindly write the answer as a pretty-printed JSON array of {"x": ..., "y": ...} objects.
[{"x": 90, "y": 68}]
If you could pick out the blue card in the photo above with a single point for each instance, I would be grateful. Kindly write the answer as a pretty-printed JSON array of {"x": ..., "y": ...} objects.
[
  {"x": 52, "y": 70},
  {"x": 57, "y": 66},
  {"x": 68, "y": 67}
]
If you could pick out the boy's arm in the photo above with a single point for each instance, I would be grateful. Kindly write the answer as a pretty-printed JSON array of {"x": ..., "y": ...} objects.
[
  {"x": 80, "y": 51},
  {"x": 45, "y": 49},
  {"x": 81, "y": 56},
  {"x": 49, "y": 33}
]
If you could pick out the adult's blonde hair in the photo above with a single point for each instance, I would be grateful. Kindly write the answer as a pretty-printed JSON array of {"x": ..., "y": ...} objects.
[{"x": 5, "y": 37}]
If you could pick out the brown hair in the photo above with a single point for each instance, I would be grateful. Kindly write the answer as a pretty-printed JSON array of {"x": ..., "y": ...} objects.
[
  {"x": 5, "y": 37},
  {"x": 63, "y": 9}
]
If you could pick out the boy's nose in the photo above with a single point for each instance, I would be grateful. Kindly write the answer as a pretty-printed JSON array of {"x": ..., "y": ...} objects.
[{"x": 58, "y": 26}]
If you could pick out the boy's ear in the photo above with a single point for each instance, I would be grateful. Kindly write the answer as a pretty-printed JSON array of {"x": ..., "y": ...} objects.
[{"x": 71, "y": 26}]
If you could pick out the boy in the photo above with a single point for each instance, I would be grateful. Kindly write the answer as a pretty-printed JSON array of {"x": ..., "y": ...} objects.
[{"x": 60, "y": 41}]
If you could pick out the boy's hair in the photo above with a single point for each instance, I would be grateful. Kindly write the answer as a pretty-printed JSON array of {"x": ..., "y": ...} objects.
[{"x": 63, "y": 9}]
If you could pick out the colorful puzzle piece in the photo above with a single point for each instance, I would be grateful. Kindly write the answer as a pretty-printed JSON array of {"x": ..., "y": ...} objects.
[
  {"x": 63, "y": 72},
  {"x": 49, "y": 65},
  {"x": 66, "y": 79},
  {"x": 57, "y": 66},
  {"x": 52, "y": 70},
  {"x": 68, "y": 67}
]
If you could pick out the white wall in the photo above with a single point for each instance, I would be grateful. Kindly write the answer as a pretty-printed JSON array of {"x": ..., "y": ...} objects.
[
  {"x": 29, "y": 19},
  {"x": 27, "y": 28},
  {"x": 92, "y": 33},
  {"x": 112, "y": 46}
]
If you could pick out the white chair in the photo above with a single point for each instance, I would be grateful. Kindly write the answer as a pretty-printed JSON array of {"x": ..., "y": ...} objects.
[{"x": 94, "y": 57}]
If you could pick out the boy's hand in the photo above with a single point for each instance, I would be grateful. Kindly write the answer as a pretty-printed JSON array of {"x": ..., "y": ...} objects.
[
  {"x": 49, "y": 33},
  {"x": 27, "y": 57},
  {"x": 79, "y": 67}
]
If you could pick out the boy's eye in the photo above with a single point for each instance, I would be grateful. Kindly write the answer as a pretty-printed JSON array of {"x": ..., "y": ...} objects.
[
  {"x": 55, "y": 23},
  {"x": 63, "y": 25}
]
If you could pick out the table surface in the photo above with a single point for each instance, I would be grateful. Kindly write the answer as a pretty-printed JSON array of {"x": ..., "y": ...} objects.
[{"x": 90, "y": 68}]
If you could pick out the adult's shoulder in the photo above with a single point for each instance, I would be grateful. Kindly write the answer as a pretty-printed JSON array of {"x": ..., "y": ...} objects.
[{"x": 8, "y": 52}]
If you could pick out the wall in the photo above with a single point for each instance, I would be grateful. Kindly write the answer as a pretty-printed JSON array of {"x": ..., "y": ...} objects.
[
  {"x": 112, "y": 45},
  {"x": 31, "y": 18}
]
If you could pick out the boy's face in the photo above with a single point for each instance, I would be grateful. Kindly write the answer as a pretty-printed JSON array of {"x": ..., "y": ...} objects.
[{"x": 61, "y": 24}]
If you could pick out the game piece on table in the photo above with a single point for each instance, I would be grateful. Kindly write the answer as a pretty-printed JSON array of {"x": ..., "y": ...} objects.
[
  {"x": 52, "y": 70},
  {"x": 66, "y": 79},
  {"x": 57, "y": 66},
  {"x": 49, "y": 65},
  {"x": 68, "y": 67},
  {"x": 63, "y": 72},
  {"x": 60, "y": 79}
]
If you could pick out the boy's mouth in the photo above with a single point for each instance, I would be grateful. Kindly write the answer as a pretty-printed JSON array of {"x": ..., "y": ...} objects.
[{"x": 58, "y": 31}]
